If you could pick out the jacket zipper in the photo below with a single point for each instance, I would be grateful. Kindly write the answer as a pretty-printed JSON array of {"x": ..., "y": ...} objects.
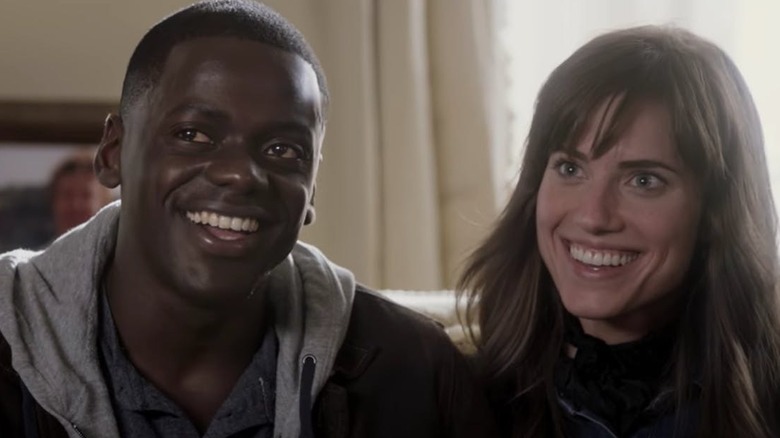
[
  {"x": 78, "y": 431},
  {"x": 586, "y": 416}
]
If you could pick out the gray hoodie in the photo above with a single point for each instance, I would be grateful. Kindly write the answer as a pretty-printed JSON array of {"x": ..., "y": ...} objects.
[{"x": 49, "y": 316}]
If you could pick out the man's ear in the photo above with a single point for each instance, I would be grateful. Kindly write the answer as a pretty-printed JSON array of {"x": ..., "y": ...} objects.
[
  {"x": 107, "y": 159},
  {"x": 310, "y": 213}
]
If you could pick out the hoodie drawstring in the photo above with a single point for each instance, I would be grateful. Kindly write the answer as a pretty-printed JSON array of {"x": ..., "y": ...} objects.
[{"x": 305, "y": 407}]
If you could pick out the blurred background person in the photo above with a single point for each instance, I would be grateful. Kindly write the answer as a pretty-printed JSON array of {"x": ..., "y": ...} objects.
[{"x": 76, "y": 195}]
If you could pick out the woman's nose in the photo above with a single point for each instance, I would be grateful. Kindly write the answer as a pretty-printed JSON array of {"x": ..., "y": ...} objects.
[{"x": 598, "y": 209}]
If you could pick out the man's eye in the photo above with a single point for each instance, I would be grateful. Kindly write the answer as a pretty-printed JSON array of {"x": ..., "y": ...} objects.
[
  {"x": 282, "y": 150},
  {"x": 194, "y": 136}
]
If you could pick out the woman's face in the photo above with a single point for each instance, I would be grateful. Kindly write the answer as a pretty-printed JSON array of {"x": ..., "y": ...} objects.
[{"x": 617, "y": 232}]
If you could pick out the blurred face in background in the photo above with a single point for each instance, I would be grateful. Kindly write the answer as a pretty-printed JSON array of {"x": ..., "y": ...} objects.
[{"x": 76, "y": 197}]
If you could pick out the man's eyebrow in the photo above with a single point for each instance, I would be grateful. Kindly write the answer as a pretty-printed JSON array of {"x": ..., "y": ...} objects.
[
  {"x": 212, "y": 112},
  {"x": 201, "y": 109},
  {"x": 289, "y": 126}
]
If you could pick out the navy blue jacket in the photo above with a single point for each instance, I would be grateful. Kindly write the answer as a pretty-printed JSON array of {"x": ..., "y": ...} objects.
[{"x": 581, "y": 423}]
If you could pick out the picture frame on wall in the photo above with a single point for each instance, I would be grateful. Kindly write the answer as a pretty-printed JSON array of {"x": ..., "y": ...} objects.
[{"x": 35, "y": 138}]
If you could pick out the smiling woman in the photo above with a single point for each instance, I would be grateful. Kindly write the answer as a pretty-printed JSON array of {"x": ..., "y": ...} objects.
[
  {"x": 630, "y": 286},
  {"x": 617, "y": 227}
]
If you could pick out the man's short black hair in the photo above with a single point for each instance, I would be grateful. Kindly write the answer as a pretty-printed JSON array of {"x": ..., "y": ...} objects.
[{"x": 242, "y": 19}]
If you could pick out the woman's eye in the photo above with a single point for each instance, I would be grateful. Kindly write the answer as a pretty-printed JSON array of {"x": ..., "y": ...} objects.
[
  {"x": 193, "y": 136},
  {"x": 647, "y": 181},
  {"x": 282, "y": 150},
  {"x": 567, "y": 168}
]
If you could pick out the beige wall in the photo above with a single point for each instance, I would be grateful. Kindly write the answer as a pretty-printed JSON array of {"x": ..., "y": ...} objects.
[{"x": 78, "y": 49}]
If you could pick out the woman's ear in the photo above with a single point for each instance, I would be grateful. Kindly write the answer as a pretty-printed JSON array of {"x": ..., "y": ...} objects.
[{"x": 107, "y": 159}]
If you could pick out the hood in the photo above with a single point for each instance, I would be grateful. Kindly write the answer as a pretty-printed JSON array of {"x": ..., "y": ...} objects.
[
  {"x": 49, "y": 316},
  {"x": 312, "y": 301}
]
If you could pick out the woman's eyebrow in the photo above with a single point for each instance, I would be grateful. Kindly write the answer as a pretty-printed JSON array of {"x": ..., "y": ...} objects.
[
  {"x": 574, "y": 153},
  {"x": 647, "y": 164}
]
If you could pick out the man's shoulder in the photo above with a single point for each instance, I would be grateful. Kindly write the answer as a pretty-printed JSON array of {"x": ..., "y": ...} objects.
[
  {"x": 19, "y": 265},
  {"x": 11, "y": 259},
  {"x": 378, "y": 322},
  {"x": 395, "y": 359},
  {"x": 371, "y": 307},
  {"x": 388, "y": 343}
]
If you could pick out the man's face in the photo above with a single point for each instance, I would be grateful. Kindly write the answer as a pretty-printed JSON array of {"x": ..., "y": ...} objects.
[{"x": 218, "y": 165}]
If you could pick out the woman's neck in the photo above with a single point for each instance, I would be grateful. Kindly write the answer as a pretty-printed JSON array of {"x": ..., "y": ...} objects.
[{"x": 635, "y": 325}]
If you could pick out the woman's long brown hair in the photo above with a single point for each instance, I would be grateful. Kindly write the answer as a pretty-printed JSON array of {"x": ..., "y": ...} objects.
[{"x": 729, "y": 340}]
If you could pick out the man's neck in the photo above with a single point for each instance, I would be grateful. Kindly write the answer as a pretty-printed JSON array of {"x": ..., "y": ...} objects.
[
  {"x": 193, "y": 353},
  {"x": 157, "y": 324}
]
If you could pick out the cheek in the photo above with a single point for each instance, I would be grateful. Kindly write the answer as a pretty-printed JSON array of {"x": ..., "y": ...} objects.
[
  {"x": 548, "y": 209},
  {"x": 672, "y": 235},
  {"x": 170, "y": 173},
  {"x": 547, "y": 217},
  {"x": 673, "y": 225},
  {"x": 292, "y": 191}
]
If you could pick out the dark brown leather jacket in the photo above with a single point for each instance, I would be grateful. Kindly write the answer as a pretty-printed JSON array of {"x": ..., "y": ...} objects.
[{"x": 396, "y": 375}]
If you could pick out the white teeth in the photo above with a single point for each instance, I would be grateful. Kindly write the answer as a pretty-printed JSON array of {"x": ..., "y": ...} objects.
[
  {"x": 224, "y": 222},
  {"x": 195, "y": 217},
  {"x": 600, "y": 258}
]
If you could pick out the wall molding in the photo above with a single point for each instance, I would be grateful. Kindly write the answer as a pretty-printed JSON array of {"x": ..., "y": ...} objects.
[{"x": 53, "y": 122}]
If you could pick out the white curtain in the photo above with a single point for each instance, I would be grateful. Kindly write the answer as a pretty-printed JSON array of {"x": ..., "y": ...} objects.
[{"x": 407, "y": 184}]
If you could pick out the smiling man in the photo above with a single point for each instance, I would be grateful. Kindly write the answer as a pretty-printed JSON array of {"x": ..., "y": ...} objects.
[{"x": 190, "y": 309}]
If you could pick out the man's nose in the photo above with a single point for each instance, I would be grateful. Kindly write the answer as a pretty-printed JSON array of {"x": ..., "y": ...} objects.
[
  {"x": 599, "y": 208},
  {"x": 233, "y": 165}
]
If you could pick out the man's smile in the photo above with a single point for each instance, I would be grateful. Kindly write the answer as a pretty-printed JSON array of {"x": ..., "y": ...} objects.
[
  {"x": 228, "y": 231},
  {"x": 222, "y": 222}
]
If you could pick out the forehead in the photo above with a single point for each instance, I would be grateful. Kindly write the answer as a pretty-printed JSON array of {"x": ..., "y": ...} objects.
[
  {"x": 243, "y": 74},
  {"x": 637, "y": 127}
]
